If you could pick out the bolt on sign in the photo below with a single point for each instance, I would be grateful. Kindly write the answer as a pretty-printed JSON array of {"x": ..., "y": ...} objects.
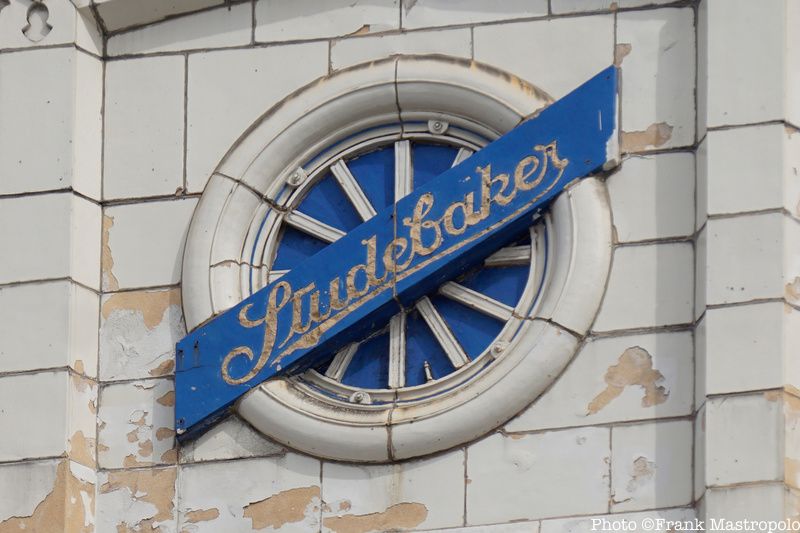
[{"x": 354, "y": 286}]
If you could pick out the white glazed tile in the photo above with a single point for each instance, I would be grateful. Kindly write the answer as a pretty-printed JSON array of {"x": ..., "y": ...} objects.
[
  {"x": 751, "y": 88},
  {"x": 230, "y": 439},
  {"x": 138, "y": 332},
  {"x": 651, "y": 466},
  {"x": 117, "y": 15},
  {"x": 24, "y": 487},
  {"x": 700, "y": 275},
  {"x": 580, "y": 6},
  {"x": 754, "y": 502},
  {"x": 617, "y": 379},
  {"x": 791, "y": 172},
  {"x": 16, "y": 33},
  {"x": 791, "y": 345},
  {"x": 650, "y": 285},
  {"x": 536, "y": 476},
  {"x": 143, "y": 127},
  {"x": 85, "y": 249},
  {"x": 35, "y": 237},
  {"x": 81, "y": 415},
  {"x": 563, "y": 63},
  {"x": 420, "y": 494},
  {"x": 661, "y": 521},
  {"x": 145, "y": 243},
  {"x": 751, "y": 183},
  {"x": 216, "y": 28},
  {"x": 234, "y": 223},
  {"x": 229, "y": 90},
  {"x": 39, "y": 429},
  {"x": 699, "y": 466},
  {"x": 88, "y": 34},
  {"x": 700, "y": 362},
  {"x": 346, "y": 52},
  {"x": 83, "y": 317},
  {"x": 294, "y": 21},
  {"x": 657, "y": 78},
  {"x": 701, "y": 190},
  {"x": 23, "y": 347},
  {"x": 36, "y": 103},
  {"x": 653, "y": 197},
  {"x": 516, "y": 527},
  {"x": 280, "y": 493},
  {"x": 425, "y": 13},
  {"x": 137, "y": 500},
  {"x": 744, "y": 258},
  {"x": 136, "y": 424},
  {"x": 744, "y": 347},
  {"x": 743, "y": 438},
  {"x": 87, "y": 137}
]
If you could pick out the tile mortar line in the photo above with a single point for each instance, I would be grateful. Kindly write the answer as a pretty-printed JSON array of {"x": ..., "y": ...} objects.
[
  {"x": 261, "y": 44},
  {"x": 185, "y": 123},
  {"x": 602, "y": 425},
  {"x": 42, "y": 281}
]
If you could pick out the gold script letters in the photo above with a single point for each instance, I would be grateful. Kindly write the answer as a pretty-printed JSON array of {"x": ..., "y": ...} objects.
[{"x": 363, "y": 281}]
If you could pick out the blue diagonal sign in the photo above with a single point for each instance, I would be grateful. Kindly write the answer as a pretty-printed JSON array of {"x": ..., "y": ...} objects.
[{"x": 355, "y": 285}]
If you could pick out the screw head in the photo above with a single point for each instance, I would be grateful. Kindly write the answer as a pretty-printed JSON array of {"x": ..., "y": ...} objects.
[
  {"x": 499, "y": 347},
  {"x": 360, "y": 397},
  {"x": 437, "y": 126},
  {"x": 297, "y": 177}
]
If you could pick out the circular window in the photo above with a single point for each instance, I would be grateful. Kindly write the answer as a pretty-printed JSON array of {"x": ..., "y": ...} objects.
[{"x": 462, "y": 360}]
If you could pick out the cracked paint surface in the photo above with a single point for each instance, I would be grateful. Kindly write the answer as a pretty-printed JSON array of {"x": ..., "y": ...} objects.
[
  {"x": 271, "y": 494},
  {"x": 655, "y": 136},
  {"x": 138, "y": 333},
  {"x": 286, "y": 507},
  {"x": 136, "y": 424},
  {"x": 398, "y": 516},
  {"x": 137, "y": 500},
  {"x": 635, "y": 368},
  {"x": 109, "y": 281},
  {"x": 69, "y": 506}
]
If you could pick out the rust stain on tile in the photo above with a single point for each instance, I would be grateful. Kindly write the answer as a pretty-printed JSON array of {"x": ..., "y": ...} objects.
[
  {"x": 66, "y": 508},
  {"x": 282, "y": 508},
  {"x": 654, "y": 136},
  {"x": 634, "y": 368},
  {"x": 643, "y": 471},
  {"x": 793, "y": 290},
  {"x": 202, "y": 515},
  {"x": 168, "y": 399},
  {"x": 164, "y": 368},
  {"x": 620, "y": 52},
  {"x": 107, "y": 260},
  {"x": 82, "y": 449},
  {"x": 146, "y": 448},
  {"x": 164, "y": 433},
  {"x": 363, "y": 30},
  {"x": 773, "y": 395},
  {"x": 152, "y": 304},
  {"x": 170, "y": 456},
  {"x": 791, "y": 471},
  {"x": 154, "y": 486},
  {"x": 79, "y": 366},
  {"x": 399, "y": 516}
]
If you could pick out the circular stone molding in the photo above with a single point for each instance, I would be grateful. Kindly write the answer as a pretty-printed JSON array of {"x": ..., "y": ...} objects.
[{"x": 230, "y": 249}]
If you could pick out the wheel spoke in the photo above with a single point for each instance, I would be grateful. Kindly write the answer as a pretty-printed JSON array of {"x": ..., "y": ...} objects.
[
  {"x": 443, "y": 335},
  {"x": 477, "y": 301},
  {"x": 313, "y": 227},
  {"x": 341, "y": 361},
  {"x": 397, "y": 351},
  {"x": 353, "y": 190},
  {"x": 403, "y": 171},
  {"x": 462, "y": 154},
  {"x": 510, "y": 256}
]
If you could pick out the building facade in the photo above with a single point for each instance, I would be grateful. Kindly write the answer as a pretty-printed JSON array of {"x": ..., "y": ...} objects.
[{"x": 145, "y": 145}]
